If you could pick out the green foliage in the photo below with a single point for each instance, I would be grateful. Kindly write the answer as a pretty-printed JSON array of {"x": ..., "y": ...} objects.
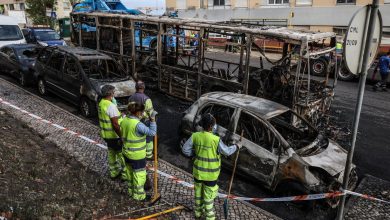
[{"x": 36, "y": 10}]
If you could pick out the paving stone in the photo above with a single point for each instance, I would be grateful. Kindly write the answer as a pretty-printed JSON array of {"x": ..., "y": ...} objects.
[{"x": 361, "y": 208}]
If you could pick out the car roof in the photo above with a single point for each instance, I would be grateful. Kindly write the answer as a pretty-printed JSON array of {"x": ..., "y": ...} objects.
[
  {"x": 82, "y": 53},
  {"x": 263, "y": 108},
  {"x": 7, "y": 20}
]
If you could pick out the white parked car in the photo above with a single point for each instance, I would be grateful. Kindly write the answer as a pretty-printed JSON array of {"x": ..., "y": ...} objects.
[{"x": 10, "y": 32}]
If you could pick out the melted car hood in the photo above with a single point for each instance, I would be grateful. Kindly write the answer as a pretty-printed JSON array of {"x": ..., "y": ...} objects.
[
  {"x": 332, "y": 159},
  {"x": 122, "y": 88}
]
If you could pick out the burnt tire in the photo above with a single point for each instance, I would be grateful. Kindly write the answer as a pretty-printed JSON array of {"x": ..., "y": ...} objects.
[
  {"x": 87, "y": 108},
  {"x": 318, "y": 67},
  {"x": 343, "y": 73},
  {"x": 42, "y": 89}
]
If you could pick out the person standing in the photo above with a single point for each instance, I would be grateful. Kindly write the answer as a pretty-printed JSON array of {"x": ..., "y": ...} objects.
[
  {"x": 109, "y": 129},
  {"x": 134, "y": 134},
  {"x": 140, "y": 97},
  {"x": 383, "y": 64},
  {"x": 207, "y": 149}
]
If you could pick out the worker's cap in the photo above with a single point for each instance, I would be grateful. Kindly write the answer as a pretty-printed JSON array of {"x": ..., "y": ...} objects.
[
  {"x": 207, "y": 121},
  {"x": 139, "y": 85},
  {"x": 107, "y": 90}
]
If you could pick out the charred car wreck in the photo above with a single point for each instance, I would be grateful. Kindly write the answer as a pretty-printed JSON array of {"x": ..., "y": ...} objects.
[
  {"x": 186, "y": 63},
  {"x": 282, "y": 150},
  {"x": 78, "y": 74}
]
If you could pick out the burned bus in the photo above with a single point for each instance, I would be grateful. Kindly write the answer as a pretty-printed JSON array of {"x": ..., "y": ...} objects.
[{"x": 190, "y": 57}]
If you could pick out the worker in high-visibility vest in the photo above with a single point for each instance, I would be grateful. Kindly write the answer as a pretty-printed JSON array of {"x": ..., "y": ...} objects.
[
  {"x": 339, "y": 47},
  {"x": 140, "y": 97},
  {"x": 110, "y": 130},
  {"x": 207, "y": 148},
  {"x": 134, "y": 134}
]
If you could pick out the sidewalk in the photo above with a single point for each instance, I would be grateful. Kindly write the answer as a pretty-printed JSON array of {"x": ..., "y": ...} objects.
[
  {"x": 360, "y": 208},
  {"x": 80, "y": 144}
]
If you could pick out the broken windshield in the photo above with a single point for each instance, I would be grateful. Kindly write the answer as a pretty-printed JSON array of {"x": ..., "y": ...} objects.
[
  {"x": 296, "y": 131},
  {"x": 103, "y": 69}
]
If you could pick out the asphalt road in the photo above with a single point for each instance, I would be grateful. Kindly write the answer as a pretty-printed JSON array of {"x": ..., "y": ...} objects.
[{"x": 372, "y": 153}]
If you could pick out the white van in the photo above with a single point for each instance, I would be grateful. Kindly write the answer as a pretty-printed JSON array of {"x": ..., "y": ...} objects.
[{"x": 10, "y": 32}]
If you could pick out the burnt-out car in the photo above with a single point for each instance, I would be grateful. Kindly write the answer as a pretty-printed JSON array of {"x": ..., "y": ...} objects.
[
  {"x": 282, "y": 150},
  {"x": 78, "y": 74},
  {"x": 18, "y": 61}
]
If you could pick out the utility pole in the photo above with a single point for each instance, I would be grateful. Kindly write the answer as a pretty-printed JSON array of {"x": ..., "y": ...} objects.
[{"x": 370, "y": 19}]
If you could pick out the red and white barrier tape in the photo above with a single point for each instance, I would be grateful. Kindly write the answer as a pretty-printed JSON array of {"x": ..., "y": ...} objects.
[
  {"x": 190, "y": 185},
  {"x": 54, "y": 124}
]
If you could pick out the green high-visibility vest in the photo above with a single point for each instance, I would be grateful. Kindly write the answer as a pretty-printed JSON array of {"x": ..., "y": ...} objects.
[
  {"x": 134, "y": 146},
  {"x": 339, "y": 46},
  {"x": 106, "y": 129},
  {"x": 207, "y": 164}
]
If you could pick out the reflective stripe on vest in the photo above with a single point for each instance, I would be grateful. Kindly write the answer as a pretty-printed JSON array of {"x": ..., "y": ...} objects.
[
  {"x": 106, "y": 129},
  {"x": 134, "y": 146},
  {"x": 207, "y": 164}
]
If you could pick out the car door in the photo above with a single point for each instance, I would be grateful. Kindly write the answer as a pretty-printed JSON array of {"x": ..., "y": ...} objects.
[
  {"x": 7, "y": 59},
  {"x": 3, "y": 60},
  {"x": 259, "y": 158},
  {"x": 71, "y": 78},
  {"x": 223, "y": 115},
  {"x": 53, "y": 72},
  {"x": 13, "y": 62}
]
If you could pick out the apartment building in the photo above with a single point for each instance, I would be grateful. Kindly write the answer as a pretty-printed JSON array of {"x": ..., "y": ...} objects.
[
  {"x": 317, "y": 15},
  {"x": 16, "y": 9}
]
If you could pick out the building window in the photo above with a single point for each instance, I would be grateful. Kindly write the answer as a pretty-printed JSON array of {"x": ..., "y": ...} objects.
[
  {"x": 346, "y": 1},
  {"x": 21, "y": 6},
  {"x": 66, "y": 5},
  {"x": 304, "y": 2},
  {"x": 219, "y": 2},
  {"x": 278, "y": 2},
  {"x": 11, "y": 7}
]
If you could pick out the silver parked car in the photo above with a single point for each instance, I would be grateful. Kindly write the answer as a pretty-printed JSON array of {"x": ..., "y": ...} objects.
[{"x": 282, "y": 150}]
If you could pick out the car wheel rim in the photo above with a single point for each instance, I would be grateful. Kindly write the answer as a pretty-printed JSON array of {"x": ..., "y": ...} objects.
[
  {"x": 343, "y": 72},
  {"x": 318, "y": 67},
  {"x": 41, "y": 87},
  {"x": 85, "y": 108}
]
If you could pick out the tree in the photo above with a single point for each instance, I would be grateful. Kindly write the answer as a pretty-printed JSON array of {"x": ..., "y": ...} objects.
[{"x": 36, "y": 10}]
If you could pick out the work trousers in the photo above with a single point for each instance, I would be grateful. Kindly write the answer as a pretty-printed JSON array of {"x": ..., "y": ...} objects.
[
  {"x": 115, "y": 159},
  {"x": 383, "y": 81},
  {"x": 205, "y": 193},
  {"x": 136, "y": 178}
]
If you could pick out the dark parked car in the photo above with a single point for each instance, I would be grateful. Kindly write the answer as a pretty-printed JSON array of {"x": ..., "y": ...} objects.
[
  {"x": 78, "y": 74},
  {"x": 43, "y": 37},
  {"x": 16, "y": 61},
  {"x": 282, "y": 150}
]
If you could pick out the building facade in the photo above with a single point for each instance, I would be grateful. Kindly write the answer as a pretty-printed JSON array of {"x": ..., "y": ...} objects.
[
  {"x": 316, "y": 15},
  {"x": 16, "y": 9}
]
